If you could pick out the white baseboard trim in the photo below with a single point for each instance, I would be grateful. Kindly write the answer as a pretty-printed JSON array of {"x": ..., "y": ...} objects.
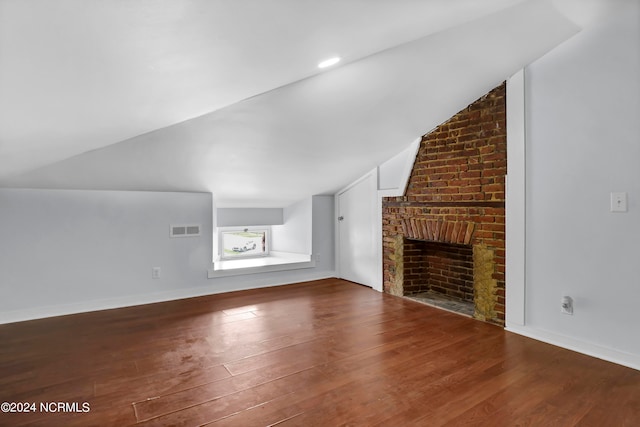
[
  {"x": 133, "y": 300},
  {"x": 590, "y": 349}
]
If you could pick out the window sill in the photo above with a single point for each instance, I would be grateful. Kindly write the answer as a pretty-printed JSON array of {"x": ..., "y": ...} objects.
[{"x": 276, "y": 261}]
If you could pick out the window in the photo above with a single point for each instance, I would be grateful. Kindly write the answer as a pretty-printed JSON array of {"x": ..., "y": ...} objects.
[{"x": 244, "y": 243}]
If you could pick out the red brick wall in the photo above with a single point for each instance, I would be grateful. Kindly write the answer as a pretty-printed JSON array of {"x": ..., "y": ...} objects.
[
  {"x": 416, "y": 273},
  {"x": 444, "y": 268},
  {"x": 450, "y": 269},
  {"x": 456, "y": 192}
]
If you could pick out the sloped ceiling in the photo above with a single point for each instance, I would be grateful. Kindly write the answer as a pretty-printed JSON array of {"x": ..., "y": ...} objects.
[{"x": 225, "y": 96}]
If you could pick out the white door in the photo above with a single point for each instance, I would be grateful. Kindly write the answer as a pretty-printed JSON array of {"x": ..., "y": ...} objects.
[{"x": 356, "y": 231}]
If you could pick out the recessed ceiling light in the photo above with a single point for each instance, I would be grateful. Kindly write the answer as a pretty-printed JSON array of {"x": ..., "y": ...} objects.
[{"x": 329, "y": 62}]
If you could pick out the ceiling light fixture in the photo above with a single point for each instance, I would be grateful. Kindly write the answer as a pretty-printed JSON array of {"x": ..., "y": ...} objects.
[{"x": 329, "y": 62}]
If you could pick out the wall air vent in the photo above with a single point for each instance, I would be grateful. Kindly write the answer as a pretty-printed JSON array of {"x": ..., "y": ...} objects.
[{"x": 187, "y": 230}]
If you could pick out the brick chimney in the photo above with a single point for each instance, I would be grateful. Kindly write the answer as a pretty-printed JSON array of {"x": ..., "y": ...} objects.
[{"x": 447, "y": 233}]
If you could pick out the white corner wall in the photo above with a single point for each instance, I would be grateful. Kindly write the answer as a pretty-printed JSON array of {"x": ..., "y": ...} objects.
[
  {"x": 582, "y": 103},
  {"x": 295, "y": 233},
  {"x": 71, "y": 251},
  {"x": 323, "y": 234},
  {"x": 394, "y": 174}
]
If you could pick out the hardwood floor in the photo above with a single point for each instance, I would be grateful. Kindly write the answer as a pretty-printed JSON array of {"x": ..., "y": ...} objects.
[{"x": 322, "y": 353}]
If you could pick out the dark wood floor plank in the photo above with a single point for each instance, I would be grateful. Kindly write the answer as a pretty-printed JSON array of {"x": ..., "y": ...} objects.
[
  {"x": 341, "y": 373},
  {"x": 320, "y": 353},
  {"x": 229, "y": 403}
]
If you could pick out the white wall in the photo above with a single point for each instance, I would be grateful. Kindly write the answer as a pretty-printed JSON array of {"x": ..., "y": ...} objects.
[
  {"x": 68, "y": 251},
  {"x": 323, "y": 236},
  {"x": 393, "y": 175},
  {"x": 60, "y": 248},
  {"x": 233, "y": 217},
  {"x": 295, "y": 234},
  {"x": 583, "y": 142}
]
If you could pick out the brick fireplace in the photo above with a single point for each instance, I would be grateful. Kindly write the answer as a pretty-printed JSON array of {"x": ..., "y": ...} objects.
[{"x": 447, "y": 233}]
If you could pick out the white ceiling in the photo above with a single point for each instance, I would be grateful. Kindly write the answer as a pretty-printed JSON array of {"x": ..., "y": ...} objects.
[{"x": 225, "y": 96}]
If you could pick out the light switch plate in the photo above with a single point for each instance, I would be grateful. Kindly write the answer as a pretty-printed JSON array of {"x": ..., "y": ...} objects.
[{"x": 618, "y": 202}]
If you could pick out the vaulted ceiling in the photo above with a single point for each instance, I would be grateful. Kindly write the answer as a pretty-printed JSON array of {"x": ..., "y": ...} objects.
[{"x": 225, "y": 95}]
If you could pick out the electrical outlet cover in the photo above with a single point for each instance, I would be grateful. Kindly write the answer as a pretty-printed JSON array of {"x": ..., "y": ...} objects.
[
  {"x": 618, "y": 202},
  {"x": 567, "y": 305}
]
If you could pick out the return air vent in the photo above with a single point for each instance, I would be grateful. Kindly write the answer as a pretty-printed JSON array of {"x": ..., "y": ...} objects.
[{"x": 187, "y": 230}]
